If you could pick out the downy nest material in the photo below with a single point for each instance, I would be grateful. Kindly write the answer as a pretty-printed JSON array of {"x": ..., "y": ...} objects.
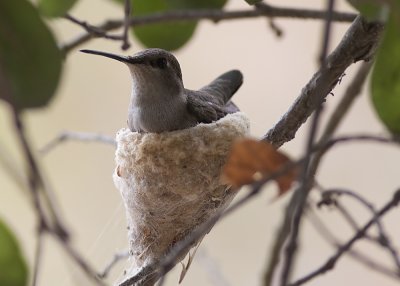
[{"x": 170, "y": 182}]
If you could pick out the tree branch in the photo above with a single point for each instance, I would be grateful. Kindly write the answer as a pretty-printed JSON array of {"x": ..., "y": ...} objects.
[
  {"x": 359, "y": 43},
  {"x": 96, "y": 32},
  {"x": 36, "y": 183},
  {"x": 80, "y": 261},
  {"x": 215, "y": 15},
  {"x": 48, "y": 219},
  {"x": 78, "y": 136},
  {"x": 212, "y": 268},
  {"x": 356, "y": 255},
  {"x": 12, "y": 170},
  {"x": 127, "y": 15},
  {"x": 330, "y": 263},
  {"x": 116, "y": 258},
  {"x": 300, "y": 196},
  {"x": 382, "y": 238},
  {"x": 38, "y": 258},
  {"x": 348, "y": 98}
]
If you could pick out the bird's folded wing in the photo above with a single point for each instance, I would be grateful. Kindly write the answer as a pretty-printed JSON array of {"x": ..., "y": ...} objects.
[
  {"x": 224, "y": 86},
  {"x": 203, "y": 107}
]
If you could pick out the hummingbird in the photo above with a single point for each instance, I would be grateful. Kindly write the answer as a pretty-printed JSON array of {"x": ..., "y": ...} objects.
[{"x": 160, "y": 102}]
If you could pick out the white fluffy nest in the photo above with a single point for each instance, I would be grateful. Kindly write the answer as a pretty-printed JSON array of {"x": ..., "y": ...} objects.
[{"x": 170, "y": 182}]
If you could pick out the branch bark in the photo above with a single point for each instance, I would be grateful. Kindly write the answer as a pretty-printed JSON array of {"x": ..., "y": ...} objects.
[
  {"x": 306, "y": 177},
  {"x": 344, "y": 105},
  {"x": 215, "y": 15},
  {"x": 359, "y": 43},
  {"x": 358, "y": 256},
  {"x": 383, "y": 238},
  {"x": 330, "y": 263}
]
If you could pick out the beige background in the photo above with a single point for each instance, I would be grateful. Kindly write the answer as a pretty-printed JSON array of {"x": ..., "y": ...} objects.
[{"x": 93, "y": 97}]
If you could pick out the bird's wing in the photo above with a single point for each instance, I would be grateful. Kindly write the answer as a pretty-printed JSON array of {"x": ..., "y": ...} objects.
[
  {"x": 224, "y": 86},
  {"x": 212, "y": 102},
  {"x": 203, "y": 107}
]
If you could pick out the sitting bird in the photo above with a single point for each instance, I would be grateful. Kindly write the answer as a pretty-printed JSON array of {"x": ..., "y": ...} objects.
[{"x": 159, "y": 101}]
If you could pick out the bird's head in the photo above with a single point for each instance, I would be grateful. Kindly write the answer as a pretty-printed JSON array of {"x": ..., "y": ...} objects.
[{"x": 152, "y": 70}]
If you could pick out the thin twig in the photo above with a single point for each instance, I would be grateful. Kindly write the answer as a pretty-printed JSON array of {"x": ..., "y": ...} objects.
[
  {"x": 214, "y": 15},
  {"x": 299, "y": 199},
  {"x": 116, "y": 258},
  {"x": 127, "y": 14},
  {"x": 94, "y": 31},
  {"x": 9, "y": 165},
  {"x": 347, "y": 216},
  {"x": 356, "y": 255},
  {"x": 328, "y": 199},
  {"x": 78, "y": 136},
  {"x": 351, "y": 93},
  {"x": 358, "y": 138},
  {"x": 211, "y": 267},
  {"x": 330, "y": 263},
  {"x": 36, "y": 183},
  {"x": 275, "y": 28},
  {"x": 78, "y": 259},
  {"x": 35, "y": 180},
  {"x": 38, "y": 257},
  {"x": 383, "y": 239}
]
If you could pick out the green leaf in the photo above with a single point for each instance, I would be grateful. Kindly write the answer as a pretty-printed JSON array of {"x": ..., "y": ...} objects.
[
  {"x": 196, "y": 4},
  {"x": 385, "y": 83},
  {"x": 370, "y": 9},
  {"x": 55, "y": 8},
  {"x": 30, "y": 61},
  {"x": 14, "y": 271},
  {"x": 169, "y": 36},
  {"x": 252, "y": 2}
]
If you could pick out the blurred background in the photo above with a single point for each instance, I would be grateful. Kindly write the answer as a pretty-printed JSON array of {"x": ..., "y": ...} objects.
[{"x": 93, "y": 97}]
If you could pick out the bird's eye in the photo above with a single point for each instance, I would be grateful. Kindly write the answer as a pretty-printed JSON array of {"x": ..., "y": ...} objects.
[{"x": 161, "y": 63}]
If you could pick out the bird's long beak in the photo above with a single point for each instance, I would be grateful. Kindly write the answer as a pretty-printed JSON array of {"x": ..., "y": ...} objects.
[{"x": 127, "y": 60}]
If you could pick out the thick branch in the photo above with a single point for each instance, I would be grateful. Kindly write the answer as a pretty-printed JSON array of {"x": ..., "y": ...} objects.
[
  {"x": 359, "y": 43},
  {"x": 348, "y": 98},
  {"x": 306, "y": 177},
  {"x": 214, "y": 15}
]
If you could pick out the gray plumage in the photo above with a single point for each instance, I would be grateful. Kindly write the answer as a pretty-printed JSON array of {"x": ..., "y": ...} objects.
[{"x": 159, "y": 101}]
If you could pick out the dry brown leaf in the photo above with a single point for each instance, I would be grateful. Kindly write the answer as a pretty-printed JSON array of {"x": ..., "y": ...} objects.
[{"x": 252, "y": 160}]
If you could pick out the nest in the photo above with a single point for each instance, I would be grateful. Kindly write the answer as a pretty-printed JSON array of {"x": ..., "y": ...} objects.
[{"x": 170, "y": 182}]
